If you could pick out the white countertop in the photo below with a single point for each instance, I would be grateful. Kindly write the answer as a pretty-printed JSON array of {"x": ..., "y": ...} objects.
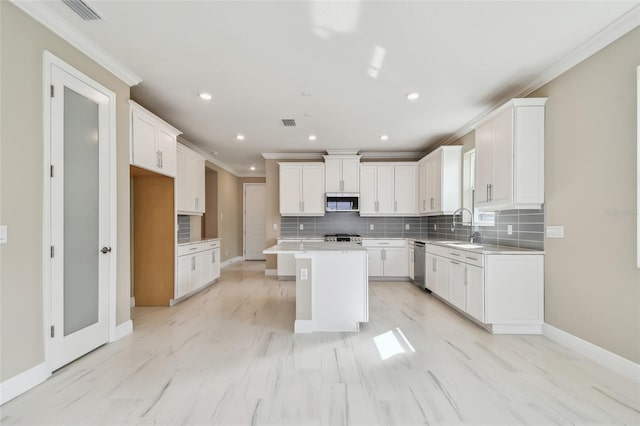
[
  {"x": 206, "y": 240},
  {"x": 484, "y": 249},
  {"x": 304, "y": 247}
]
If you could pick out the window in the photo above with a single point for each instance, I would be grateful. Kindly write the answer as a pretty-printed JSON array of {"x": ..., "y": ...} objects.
[{"x": 468, "y": 191}]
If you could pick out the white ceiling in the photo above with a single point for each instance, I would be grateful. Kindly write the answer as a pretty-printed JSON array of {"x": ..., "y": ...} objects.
[{"x": 256, "y": 58}]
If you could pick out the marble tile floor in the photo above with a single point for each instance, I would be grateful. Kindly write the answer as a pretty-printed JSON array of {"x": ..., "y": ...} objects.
[{"x": 227, "y": 356}]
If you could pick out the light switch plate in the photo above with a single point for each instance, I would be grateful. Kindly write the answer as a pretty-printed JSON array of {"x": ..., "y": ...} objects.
[
  {"x": 509, "y": 229},
  {"x": 555, "y": 231},
  {"x": 406, "y": 226},
  {"x": 371, "y": 227},
  {"x": 304, "y": 273},
  {"x": 275, "y": 226},
  {"x": 3, "y": 234},
  {"x": 302, "y": 227},
  {"x": 435, "y": 227}
]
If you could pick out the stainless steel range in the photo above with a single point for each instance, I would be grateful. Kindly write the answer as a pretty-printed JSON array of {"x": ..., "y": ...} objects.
[{"x": 343, "y": 238}]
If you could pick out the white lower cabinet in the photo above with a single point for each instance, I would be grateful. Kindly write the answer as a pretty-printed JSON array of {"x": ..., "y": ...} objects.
[
  {"x": 504, "y": 292},
  {"x": 198, "y": 265},
  {"x": 411, "y": 260},
  {"x": 387, "y": 258}
]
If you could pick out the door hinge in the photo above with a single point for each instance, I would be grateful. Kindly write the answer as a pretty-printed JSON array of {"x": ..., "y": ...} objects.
[
  {"x": 53, "y": 252},
  {"x": 53, "y": 331},
  {"x": 52, "y": 91},
  {"x": 51, "y": 170}
]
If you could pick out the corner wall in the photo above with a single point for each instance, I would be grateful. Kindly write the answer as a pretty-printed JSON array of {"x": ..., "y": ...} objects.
[{"x": 22, "y": 42}]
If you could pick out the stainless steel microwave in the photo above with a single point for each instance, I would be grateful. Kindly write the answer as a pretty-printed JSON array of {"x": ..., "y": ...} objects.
[{"x": 342, "y": 202}]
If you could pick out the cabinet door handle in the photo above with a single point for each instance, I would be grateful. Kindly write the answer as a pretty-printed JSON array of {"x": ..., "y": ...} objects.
[
  {"x": 157, "y": 158},
  {"x": 341, "y": 185},
  {"x": 377, "y": 205},
  {"x": 161, "y": 160},
  {"x": 303, "y": 207},
  {"x": 433, "y": 203},
  {"x": 384, "y": 255},
  {"x": 213, "y": 257},
  {"x": 193, "y": 263},
  {"x": 454, "y": 254},
  {"x": 196, "y": 204},
  {"x": 434, "y": 265},
  {"x": 424, "y": 204},
  {"x": 490, "y": 192},
  {"x": 395, "y": 206},
  {"x": 472, "y": 258},
  {"x": 487, "y": 192}
]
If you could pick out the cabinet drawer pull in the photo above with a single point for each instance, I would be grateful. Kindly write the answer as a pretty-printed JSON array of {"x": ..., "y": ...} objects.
[
  {"x": 454, "y": 262},
  {"x": 472, "y": 258},
  {"x": 454, "y": 254},
  {"x": 193, "y": 248}
]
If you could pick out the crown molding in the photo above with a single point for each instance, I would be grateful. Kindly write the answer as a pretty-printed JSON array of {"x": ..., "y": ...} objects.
[
  {"x": 391, "y": 155},
  {"x": 207, "y": 156},
  {"x": 47, "y": 17},
  {"x": 251, "y": 175},
  {"x": 293, "y": 155},
  {"x": 621, "y": 26}
]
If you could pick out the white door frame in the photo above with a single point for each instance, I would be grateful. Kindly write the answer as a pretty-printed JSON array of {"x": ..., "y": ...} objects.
[
  {"x": 244, "y": 215},
  {"x": 50, "y": 60}
]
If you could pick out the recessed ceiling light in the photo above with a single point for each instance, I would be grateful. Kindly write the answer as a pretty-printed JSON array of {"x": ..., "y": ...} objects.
[
  {"x": 384, "y": 137},
  {"x": 305, "y": 94},
  {"x": 312, "y": 137},
  {"x": 252, "y": 168},
  {"x": 215, "y": 153},
  {"x": 240, "y": 137},
  {"x": 309, "y": 114},
  {"x": 205, "y": 96},
  {"x": 412, "y": 96}
]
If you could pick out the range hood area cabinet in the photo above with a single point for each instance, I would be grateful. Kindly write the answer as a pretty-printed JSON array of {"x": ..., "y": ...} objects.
[
  {"x": 510, "y": 157},
  {"x": 152, "y": 142},
  {"x": 190, "y": 188},
  {"x": 388, "y": 189},
  {"x": 302, "y": 190},
  {"x": 342, "y": 173},
  {"x": 440, "y": 181}
]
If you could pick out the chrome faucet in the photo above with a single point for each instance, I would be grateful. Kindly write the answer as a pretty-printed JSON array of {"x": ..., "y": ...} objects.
[{"x": 461, "y": 210}]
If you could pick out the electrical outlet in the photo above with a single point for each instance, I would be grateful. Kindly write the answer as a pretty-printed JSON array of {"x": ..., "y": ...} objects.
[
  {"x": 435, "y": 227},
  {"x": 371, "y": 227},
  {"x": 555, "y": 231},
  {"x": 275, "y": 226},
  {"x": 3, "y": 234},
  {"x": 509, "y": 229},
  {"x": 304, "y": 273},
  {"x": 406, "y": 226},
  {"x": 302, "y": 227}
]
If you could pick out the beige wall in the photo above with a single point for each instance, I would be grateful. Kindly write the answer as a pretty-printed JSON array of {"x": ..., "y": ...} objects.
[
  {"x": 591, "y": 282},
  {"x": 592, "y": 286},
  {"x": 21, "y": 166}
]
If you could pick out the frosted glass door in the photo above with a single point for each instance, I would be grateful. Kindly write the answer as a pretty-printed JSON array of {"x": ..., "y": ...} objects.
[
  {"x": 81, "y": 216},
  {"x": 81, "y": 212}
]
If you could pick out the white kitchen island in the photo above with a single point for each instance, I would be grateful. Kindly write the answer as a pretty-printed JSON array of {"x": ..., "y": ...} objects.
[{"x": 332, "y": 285}]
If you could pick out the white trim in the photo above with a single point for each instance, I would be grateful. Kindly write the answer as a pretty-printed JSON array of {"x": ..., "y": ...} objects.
[
  {"x": 515, "y": 328},
  {"x": 122, "y": 330},
  {"x": 133, "y": 302},
  {"x": 411, "y": 155},
  {"x": 303, "y": 326},
  {"x": 231, "y": 261},
  {"x": 47, "y": 17},
  {"x": 599, "y": 355},
  {"x": 134, "y": 106},
  {"x": 321, "y": 155},
  {"x": 271, "y": 272},
  {"x": 19, "y": 384},
  {"x": 638, "y": 168},
  {"x": 293, "y": 155},
  {"x": 621, "y": 26},
  {"x": 48, "y": 61}
]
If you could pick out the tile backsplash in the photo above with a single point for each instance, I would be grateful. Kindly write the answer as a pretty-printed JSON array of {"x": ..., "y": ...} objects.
[
  {"x": 352, "y": 223},
  {"x": 184, "y": 228},
  {"x": 527, "y": 227}
]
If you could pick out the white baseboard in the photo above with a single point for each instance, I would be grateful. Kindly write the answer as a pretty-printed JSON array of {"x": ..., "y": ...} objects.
[
  {"x": 122, "y": 330},
  {"x": 516, "y": 328},
  {"x": 595, "y": 353},
  {"x": 133, "y": 302},
  {"x": 303, "y": 326},
  {"x": 271, "y": 272},
  {"x": 24, "y": 381},
  {"x": 232, "y": 260}
]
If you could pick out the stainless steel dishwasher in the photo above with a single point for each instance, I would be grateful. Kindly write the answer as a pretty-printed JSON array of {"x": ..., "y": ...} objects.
[{"x": 419, "y": 275}]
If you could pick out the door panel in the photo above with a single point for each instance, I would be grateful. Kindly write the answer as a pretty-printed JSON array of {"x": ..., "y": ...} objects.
[
  {"x": 386, "y": 195},
  {"x": 290, "y": 190},
  {"x": 254, "y": 208},
  {"x": 457, "y": 277},
  {"x": 405, "y": 190},
  {"x": 501, "y": 191},
  {"x": 368, "y": 196},
  {"x": 313, "y": 194},
  {"x": 396, "y": 262},
  {"x": 350, "y": 175},
  {"x": 167, "y": 149},
  {"x": 484, "y": 162},
  {"x": 80, "y": 218},
  {"x": 333, "y": 175}
]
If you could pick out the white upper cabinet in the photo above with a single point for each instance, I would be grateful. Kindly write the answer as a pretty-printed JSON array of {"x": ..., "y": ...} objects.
[
  {"x": 388, "y": 189},
  {"x": 302, "y": 190},
  {"x": 152, "y": 142},
  {"x": 190, "y": 188},
  {"x": 510, "y": 157},
  {"x": 440, "y": 181},
  {"x": 342, "y": 173}
]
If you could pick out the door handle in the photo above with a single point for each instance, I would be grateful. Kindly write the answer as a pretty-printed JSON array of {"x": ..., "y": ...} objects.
[{"x": 106, "y": 250}]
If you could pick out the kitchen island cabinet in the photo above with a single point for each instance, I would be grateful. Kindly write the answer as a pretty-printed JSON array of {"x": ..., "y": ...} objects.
[{"x": 331, "y": 285}]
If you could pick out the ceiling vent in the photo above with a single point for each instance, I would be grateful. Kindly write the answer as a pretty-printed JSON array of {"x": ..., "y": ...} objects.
[
  {"x": 288, "y": 122},
  {"x": 82, "y": 10}
]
